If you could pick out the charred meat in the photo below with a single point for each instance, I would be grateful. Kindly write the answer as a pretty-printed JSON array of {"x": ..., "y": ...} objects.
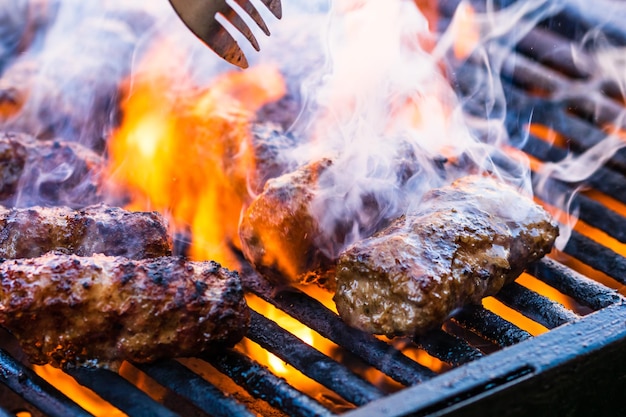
[
  {"x": 31, "y": 232},
  {"x": 466, "y": 241},
  {"x": 98, "y": 311}
]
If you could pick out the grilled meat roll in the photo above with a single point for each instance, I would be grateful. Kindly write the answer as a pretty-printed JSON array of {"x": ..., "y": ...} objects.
[
  {"x": 295, "y": 229},
  {"x": 466, "y": 241},
  {"x": 98, "y": 311},
  {"x": 278, "y": 233},
  {"x": 31, "y": 232}
]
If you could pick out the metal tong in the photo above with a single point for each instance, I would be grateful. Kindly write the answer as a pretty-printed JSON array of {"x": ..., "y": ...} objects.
[{"x": 200, "y": 17}]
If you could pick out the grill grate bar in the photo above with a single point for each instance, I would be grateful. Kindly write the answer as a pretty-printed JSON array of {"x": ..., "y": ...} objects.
[
  {"x": 573, "y": 284},
  {"x": 597, "y": 256},
  {"x": 490, "y": 326},
  {"x": 581, "y": 135},
  {"x": 263, "y": 384},
  {"x": 195, "y": 389},
  {"x": 34, "y": 389},
  {"x": 315, "y": 315},
  {"x": 119, "y": 392},
  {"x": 311, "y": 362},
  {"x": 553, "y": 51},
  {"x": 525, "y": 109},
  {"x": 591, "y": 211},
  {"x": 556, "y": 113},
  {"x": 576, "y": 20},
  {"x": 447, "y": 348},
  {"x": 605, "y": 180},
  {"x": 535, "y": 306}
]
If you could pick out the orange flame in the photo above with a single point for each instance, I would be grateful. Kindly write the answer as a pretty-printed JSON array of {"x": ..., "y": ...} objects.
[
  {"x": 277, "y": 365},
  {"x": 554, "y": 138},
  {"x": 189, "y": 155},
  {"x": 466, "y": 32},
  {"x": 81, "y": 395}
]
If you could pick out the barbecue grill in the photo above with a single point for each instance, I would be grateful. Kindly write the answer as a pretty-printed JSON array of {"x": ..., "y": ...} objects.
[{"x": 578, "y": 367}]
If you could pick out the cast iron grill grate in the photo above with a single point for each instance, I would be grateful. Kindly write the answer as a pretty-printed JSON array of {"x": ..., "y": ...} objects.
[{"x": 489, "y": 362}]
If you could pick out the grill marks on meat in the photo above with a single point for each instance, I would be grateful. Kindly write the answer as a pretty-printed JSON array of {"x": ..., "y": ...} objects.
[
  {"x": 31, "y": 232},
  {"x": 466, "y": 241},
  {"x": 98, "y": 311}
]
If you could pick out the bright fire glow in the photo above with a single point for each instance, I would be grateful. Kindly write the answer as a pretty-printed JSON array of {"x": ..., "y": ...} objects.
[
  {"x": 277, "y": 365},
  {"x": 189, "y": 155},
  {"x": 554, "y": 138},
  {"x": 82, "y": 396},
  {"x": 465, "y": 30}
]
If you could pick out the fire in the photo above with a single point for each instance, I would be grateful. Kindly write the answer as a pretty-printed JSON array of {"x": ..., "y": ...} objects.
[
  {"x": 465, "y": 31},
  {"x": 188, "y": 154},
  {"x": 76, "y": 392},
  {"x": 304, "y": 333}
]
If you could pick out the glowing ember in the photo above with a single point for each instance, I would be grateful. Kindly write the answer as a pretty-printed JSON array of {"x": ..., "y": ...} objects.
[
  {"x": 77, "y": 393},
  {"x": 277, "y": 365},
  {"x": 465, "y": 31}
]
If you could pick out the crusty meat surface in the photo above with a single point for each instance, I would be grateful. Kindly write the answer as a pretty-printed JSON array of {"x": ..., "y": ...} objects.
[
  {"x": 279, "y": 235},
  {"x": 98, "y": 311},
  {"x": 286, "y": 235},
  {"x": 31, "y": 232},
  {"x": 466, "y": 241}
]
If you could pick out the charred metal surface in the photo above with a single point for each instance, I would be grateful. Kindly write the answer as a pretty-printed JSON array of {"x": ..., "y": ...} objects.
[
  {"x": 490, "y": 326},
  {"x": 531, "y": 378},
  {"x": 597, "y": 256},
  {"x": 590, "y": 211},
  {"x": 13, "y": 404},
  {"x": 447, "y": 348},
  {"x": 535, "y": 306},
  {"x": 119, "y": 392},
  {"x": 573, "y": 284},
  {"x": 578, "y": 368},
  {"x": 581, "y": 119},
  {"x": 6, "y": 413},
  {"x": 30, "y": 386},
  {"x": 263, "y": 384},
  {"x": 576, "y": 20},
  {"x": 311, "y": 362},
  {"x": 194, "y": 388},
  {"x": 552, "y": 50},
  {"x": 315, "y": 315}
]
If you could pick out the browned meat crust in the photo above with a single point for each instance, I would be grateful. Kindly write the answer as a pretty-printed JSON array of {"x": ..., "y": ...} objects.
[
  {"x": 466, "y": 241},
  {"x": 31, "y": 232},
  {"x": 278, "y": 233},
  {"x": 37, "y": 172},
  {"x": 98, "y": 311},
  {"x": 281, "y": 231}
]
